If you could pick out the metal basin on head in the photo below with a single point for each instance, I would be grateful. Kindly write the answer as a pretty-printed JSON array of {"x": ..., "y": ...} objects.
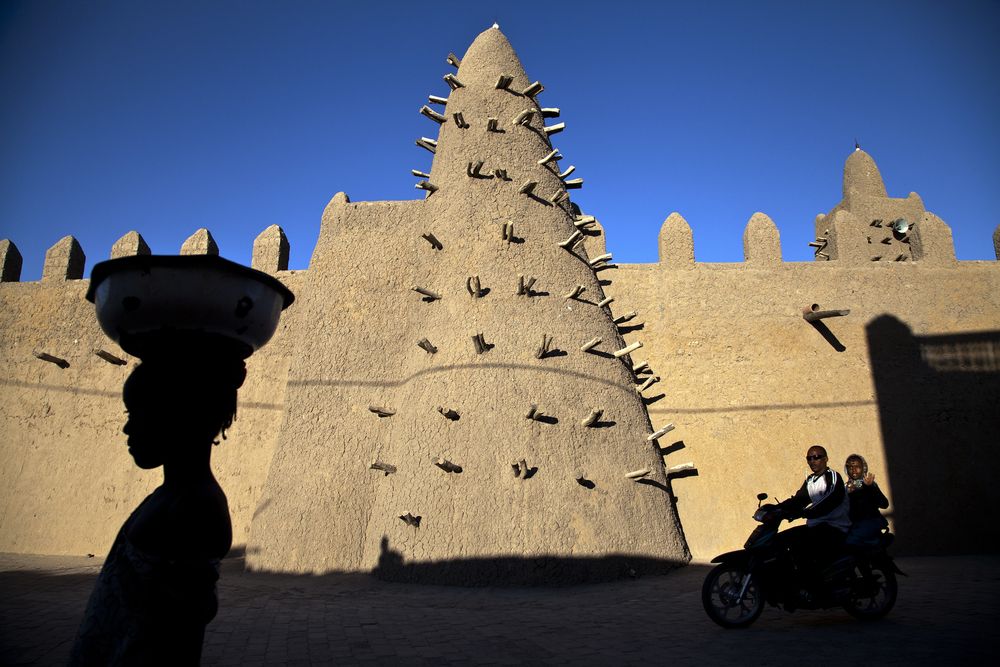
[{"x": 148, "y": 301}]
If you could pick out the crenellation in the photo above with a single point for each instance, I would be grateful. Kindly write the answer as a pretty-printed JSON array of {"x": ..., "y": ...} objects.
[
  {"x": 676, "y": 243},
  {"x": 10, "y": 262},
  {"x": 64, "y": 261},
  {"x": 200, "y": 243},
  {"x": 271, "y": 250},
  {"x": 931, "y": 241},
  {"x": 761, "y": 242},
  {"x": 130, "y": 245}
]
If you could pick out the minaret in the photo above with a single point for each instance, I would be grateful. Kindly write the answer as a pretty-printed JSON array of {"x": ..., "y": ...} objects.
[
  {"x": 458, "y": 359},
  {"x": 869, "y": 226},
  {"x": 861, "y": 175}
]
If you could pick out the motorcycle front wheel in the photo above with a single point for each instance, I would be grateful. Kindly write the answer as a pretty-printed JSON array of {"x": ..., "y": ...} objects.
[
  {"x": 872, "y": 596},
  {"x": 720, "y": 595}
]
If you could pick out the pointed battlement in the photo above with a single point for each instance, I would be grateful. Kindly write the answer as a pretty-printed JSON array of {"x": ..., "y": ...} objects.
[
  {"x": 200, "y": 243},
  {"x": 676, "y": 242},
  {"x": 270, "y": 250},
  {"x": 130, "y": 245},
  {"x": 64, "y": 261},
  {"x": 761, "y": 243},
  {"x": 10, "y": 262}
]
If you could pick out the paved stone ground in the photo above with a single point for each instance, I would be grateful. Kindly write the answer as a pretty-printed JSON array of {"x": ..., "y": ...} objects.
[{"x": 948, "y": 612}]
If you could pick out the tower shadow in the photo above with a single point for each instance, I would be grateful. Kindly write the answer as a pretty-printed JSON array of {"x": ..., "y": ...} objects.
[{"x": 939, "y": 409}]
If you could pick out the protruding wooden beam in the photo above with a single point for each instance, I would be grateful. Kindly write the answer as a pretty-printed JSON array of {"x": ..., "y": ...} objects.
[
  {"x": 592, "y": 418},
  {"x": 639, "y": 367},
  {"x": 480, "y": 343},
  {"x": 507, "y": 232},
  {"x": 460, "y": 121},
  {"x": 683, "y": 467},
  {"x": 569, "y": 170},
  {"x": 503, "y": 83},
  {"x": 577, "y": 291},
  {"x": 428, "y": 143},
  {"x": 590, "y": 344},
  {"x": 429, "y": 187},
  {"x": 554, "y": 129},
  {"x": 650, "y": 381},
  {"x": 492, "y": 124},
  {"x": 533, "y": 89},
  {"x": 524, "y": 118},
  {"x": 627, "y": 349},
  {"x": 433, "y": 115},
  {"x": 573, "y": 184},
  {"x": 448, "y": 413},
  {"x": 524, "y": 288},
  {"x": 573, "y": 239},
  {"x": 544, "y": 348},
  {"x": 528, "y": 188},
  {"x": 433, "y": 296},
  {"x": 419, "y": 174},
  {"x": 552, "y": 156},
  {"x": 473, "y": 287},
  {"x": 638, "y": 474},
  {"x": 550, "y": 112},
  {"x": 453, "y": 82},
  {"x": 381, "y": 411},
  {"x": 605, "y": 301},
  {"x": 434, "y": 99},
  {"x": 534, "y": 413},
  {"x": 521, "y": 469},
  {"x": 386, "y": 468},
  {"x": 659, "y": 434},
  {"x": 621, "y": 319},
  {"x": 558, "y": 196},
  {"x": 453, "y": 60},
  {"x": 812, "y": 313},
  {"x": 447, "y": 465},
  {"x": 427, "y": 346},
  {"x": 411, "y": 520},
  {"x": 600, "y": 258}
]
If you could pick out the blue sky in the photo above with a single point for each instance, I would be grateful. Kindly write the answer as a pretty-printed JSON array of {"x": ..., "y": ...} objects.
[{"x": 164, "y": 117}]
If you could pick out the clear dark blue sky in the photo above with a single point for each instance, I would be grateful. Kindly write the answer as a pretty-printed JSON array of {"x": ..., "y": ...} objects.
[{"x": 164, "y": 117}]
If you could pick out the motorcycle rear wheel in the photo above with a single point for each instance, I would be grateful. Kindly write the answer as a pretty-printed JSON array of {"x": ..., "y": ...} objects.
[
  {"x": 874, "y": 598},
  {"x": 719, "y": 596}
]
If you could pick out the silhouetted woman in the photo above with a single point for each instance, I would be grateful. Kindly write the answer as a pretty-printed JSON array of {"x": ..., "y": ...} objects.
[{"x": 156, "y": 591}]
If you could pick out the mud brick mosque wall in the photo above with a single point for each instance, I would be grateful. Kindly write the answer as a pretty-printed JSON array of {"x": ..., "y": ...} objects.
[{"x": 909, "y": 378}]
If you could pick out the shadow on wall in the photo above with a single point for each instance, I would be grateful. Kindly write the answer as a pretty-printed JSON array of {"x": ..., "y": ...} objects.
[
  {"x": 939, "y": 408},
  {"x": 500, "y": 571}
]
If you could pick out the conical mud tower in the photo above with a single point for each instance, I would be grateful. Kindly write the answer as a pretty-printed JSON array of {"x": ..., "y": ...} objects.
[{"x": 465, "y": 411}]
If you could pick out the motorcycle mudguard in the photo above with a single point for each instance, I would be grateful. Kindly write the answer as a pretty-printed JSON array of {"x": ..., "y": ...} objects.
[{"x": 739, "y": 557}]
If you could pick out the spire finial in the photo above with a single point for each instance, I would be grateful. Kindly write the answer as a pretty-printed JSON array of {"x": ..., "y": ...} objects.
[
  {"x": 857, "y": 146},
  {"x": 496, "y": 26}
]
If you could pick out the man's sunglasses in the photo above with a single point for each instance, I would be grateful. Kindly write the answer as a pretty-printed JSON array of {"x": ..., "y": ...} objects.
[{"x": 815, "y": 457}]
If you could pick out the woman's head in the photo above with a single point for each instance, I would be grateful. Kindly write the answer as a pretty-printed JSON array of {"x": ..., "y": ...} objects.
[
  {"x": 855, "y": 466},
  {"x": 176, "y": 403}
]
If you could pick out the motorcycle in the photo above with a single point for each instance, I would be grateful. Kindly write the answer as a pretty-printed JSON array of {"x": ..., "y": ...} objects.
[{"x": 862, "y": 580}]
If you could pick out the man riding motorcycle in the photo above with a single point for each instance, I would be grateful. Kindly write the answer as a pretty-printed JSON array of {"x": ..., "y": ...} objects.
[{"x": 822, "y": 500}]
